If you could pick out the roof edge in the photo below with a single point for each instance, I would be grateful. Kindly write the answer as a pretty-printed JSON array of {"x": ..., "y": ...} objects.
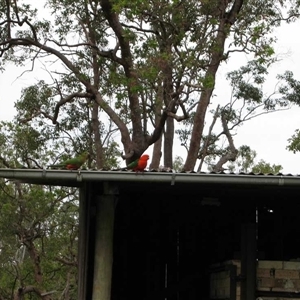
[{"x": 66, "y": 177}]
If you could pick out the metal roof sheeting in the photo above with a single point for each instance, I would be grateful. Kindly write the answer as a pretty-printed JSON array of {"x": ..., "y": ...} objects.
[{"x": 76, "y": 178}]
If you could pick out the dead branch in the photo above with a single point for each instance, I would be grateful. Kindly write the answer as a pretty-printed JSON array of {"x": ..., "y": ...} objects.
[
  {"x": 19, "y": 295},
  {"x": 207, "y": 141},
  {"x": 65, "y": 100},
  {"x": 37, "y": 113},
  {"x": 67, "y": 262},
  {"x": 169, "y": 111},
  {"x": 232, "y": 151},
  {"x": 35, "y": 162},
  {"x": 177, "y": 118},
  {"x": 128, "y": 154}
]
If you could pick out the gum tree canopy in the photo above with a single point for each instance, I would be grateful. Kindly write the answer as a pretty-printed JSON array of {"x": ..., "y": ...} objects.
[{"x": 142, "y": 65}]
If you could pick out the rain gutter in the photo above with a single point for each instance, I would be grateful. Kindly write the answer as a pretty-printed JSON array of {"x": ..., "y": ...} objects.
[{"x": 65, "y": 177}]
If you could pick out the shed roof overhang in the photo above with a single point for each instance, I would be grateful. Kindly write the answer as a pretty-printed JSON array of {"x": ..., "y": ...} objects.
[{"x": 165, "y": 179}]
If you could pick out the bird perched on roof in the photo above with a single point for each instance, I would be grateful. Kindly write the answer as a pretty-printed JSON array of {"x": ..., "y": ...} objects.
[
  {"x": 139, "y": 164},
  {"x": 72, "y": 163}
]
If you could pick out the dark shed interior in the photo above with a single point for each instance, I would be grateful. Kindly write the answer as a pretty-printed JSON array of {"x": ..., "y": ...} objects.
[
  {"x": 170, "y": 229},
  {"x": 167, "y": 237}
]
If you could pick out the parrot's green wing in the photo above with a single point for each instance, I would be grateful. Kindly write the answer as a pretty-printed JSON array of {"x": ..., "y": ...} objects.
[
  {"x": 60, "y": 165},
  {"x": 78, "y": 161},
  {"x": 75, "y": 162},
  {"x": 133, "y": 164}
]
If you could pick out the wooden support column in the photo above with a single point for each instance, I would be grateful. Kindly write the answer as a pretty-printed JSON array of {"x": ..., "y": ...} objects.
[
  {"x": 83, "y": 242},
  {"x": 103, "y": 260},
  {"x": 248, "y": 261}
]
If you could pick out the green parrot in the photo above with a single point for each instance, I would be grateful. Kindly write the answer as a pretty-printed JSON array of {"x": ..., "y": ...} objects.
[{"x": 72, "y": 163}]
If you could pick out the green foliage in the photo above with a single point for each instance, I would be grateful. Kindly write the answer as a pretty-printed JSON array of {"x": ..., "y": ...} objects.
[
  {"x": 291, "y": 93},
  {"x": 121, "y": 58},
  {"x": 178, "y": 163},
  {"x": 112, "y": 155},
  {"x": 294, "y": 142},
  {"x": 247, "y": 82},
  {"x": 38, "y": 224},
  {"x": 245, "y": 160},
  {"x": 266, "y": 168},
  {"x": 291, "y": 89},
  {"x": 113, "y": 71},
  {"x": 39, "y": 229}
]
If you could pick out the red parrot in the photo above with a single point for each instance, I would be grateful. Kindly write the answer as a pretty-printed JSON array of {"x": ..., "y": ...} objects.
[
  {"x": 139, "y": 164},
  {"x": 72, "y": 163}
]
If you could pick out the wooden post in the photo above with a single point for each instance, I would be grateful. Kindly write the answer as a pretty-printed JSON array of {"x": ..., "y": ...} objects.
[
  {"x": 248, "y": 261},
  {"x": 83, "y": 247},
  {"x": 104, "y": 243}
]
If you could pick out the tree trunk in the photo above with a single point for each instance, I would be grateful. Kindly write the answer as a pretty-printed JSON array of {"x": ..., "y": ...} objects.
[
  {"x": 156, "y": 155},
  {"x": 168, "y": 143},
  {"x": 210, "y": 76},
  {"x": 97, "y": 137}
]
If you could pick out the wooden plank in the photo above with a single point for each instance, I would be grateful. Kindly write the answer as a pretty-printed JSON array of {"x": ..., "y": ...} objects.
[
  {"x": 83, "y": 243},
  {"x": 104, "y": 243},
  {"x": 248, "y": 261}
]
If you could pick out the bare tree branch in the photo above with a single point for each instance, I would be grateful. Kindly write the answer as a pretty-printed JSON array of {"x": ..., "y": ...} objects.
[
  {"x": 232, "y": 151},
  {"x": 69, "y": 98},
  {"x": 208, "y": 139}
]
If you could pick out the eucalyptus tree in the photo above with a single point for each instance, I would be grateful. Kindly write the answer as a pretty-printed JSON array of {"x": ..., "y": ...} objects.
[
  {"x": 292, "y": 91},
  {"x": 142, "y": 65},
  {"x": 38, "y": 224},
  {"x": 294, "y": 142},
  {"x": 39, "y": 236},
  {"x": 247, "y": 101}
]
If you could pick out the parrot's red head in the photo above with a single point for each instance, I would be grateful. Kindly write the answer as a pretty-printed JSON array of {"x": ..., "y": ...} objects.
[{"x": 144, "y": 157}]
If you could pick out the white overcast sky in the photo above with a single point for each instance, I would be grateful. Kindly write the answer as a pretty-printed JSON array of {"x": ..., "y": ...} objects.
[{"x": 267, "y": 135}]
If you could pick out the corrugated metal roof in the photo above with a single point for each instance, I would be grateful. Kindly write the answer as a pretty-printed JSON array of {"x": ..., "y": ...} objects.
[{"x": 78, "y": 177}]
